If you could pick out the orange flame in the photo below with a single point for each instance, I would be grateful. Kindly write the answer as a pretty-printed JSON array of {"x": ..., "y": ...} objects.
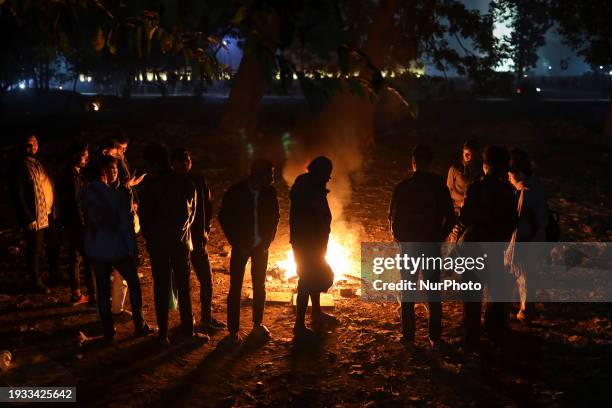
[{"x": 340, "y": 256}]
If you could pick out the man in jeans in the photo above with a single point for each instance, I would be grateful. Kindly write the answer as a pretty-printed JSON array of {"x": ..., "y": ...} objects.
[
  {"x": 421, "y": 216},
  {"x": 182, "y": 164},
  {"x": 109, "y": 243},
  {"x": 167, "y": 209},
  {"x": 249, "y": 216},
  {"x": 33, "y": 195},
  {"x": 70, "y": 184}
]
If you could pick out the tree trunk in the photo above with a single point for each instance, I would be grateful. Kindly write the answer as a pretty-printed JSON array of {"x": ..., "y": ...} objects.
[
  {"x": 70, "y": 96},
  {"x": 244, "y": 102},
  {"x": 47, "y": 76},
  {"x": 608, "y": 124}
]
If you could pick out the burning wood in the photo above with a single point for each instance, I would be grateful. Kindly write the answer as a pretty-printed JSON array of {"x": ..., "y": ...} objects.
[{"x": 341, "y": 256}]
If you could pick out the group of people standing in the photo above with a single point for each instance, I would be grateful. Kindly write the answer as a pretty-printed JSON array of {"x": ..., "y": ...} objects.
[
  {"x": 491, "y": 196},
  {"x": 101, "y": 206}
]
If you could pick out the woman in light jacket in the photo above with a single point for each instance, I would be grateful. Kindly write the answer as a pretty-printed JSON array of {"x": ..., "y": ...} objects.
[{"x": 523, "y": 259}]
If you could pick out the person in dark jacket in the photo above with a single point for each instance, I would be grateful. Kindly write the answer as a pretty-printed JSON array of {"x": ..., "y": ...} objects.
[
  {"x": 249, "y": 216},
  {"x": 488, "y": 215},
  {"x": 126, "y": 183},
  {"x": 200, "y": 228},
  {"x": 33, "y": 195},
  {"x": 109, "y": 243},
  {"x": 70, "y": 183},
  {"x": 310, "y": 225},
  {"x": 421, "y": 216},
  {"x": 110, "y": 147},
  {"x": 167, "y": 209}
]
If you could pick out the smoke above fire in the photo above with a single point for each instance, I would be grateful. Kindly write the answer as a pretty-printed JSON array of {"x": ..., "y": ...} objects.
[{"x": 347, "y": 159}]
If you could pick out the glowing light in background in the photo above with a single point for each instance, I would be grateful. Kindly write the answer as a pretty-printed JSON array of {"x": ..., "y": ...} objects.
[{"x": 501, "y": 31}]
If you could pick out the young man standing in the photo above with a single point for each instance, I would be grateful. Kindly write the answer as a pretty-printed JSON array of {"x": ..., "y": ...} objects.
[
  {"x": 310, "y": 225},
  {"x": 33, "y": 196},
  {"x": 488, "y": 214},
  {"x": 249, "y": 216},
  {"x": 421, "y": 216},
  {"x": 167, "y": 209},
  {"x": 70, "y": 184},
  {"x": 200, "y": 228}
]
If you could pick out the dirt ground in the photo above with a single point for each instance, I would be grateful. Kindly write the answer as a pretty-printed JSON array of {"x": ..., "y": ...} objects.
[{"x": 563, "y": 358}]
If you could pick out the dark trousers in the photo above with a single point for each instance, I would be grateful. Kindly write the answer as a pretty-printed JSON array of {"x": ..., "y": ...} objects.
[
  {"x": 433, "y": 296},
  {"x": 77, "y": 260},
  {"x": 103, "y": 272},
  {"x": 259, "y": 265},
  {"x": 201, "y": 266},
  {"x": 495, "y": 315},
  {"x": 34, "y": 241},
  {"x": 170, "y": 267},
  {"x": 494, "y": 320}
]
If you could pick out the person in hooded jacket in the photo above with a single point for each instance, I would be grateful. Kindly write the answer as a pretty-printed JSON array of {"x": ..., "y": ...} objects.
[{"x": 310, "y": 225}]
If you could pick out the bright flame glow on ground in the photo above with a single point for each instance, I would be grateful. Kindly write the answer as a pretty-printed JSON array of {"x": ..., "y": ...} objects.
[{"x": 338, "y": 256}]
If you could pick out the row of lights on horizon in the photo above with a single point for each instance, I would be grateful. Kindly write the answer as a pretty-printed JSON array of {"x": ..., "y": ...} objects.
[{"x": 150, "y": 76}]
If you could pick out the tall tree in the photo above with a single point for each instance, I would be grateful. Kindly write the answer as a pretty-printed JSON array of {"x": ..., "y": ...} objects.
[
  {"x": 528, "y": 21},
  {"x": 34, "y": 34},
  {"x": 586, "y": 27},
  {"x": 302, "y": 38}
]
